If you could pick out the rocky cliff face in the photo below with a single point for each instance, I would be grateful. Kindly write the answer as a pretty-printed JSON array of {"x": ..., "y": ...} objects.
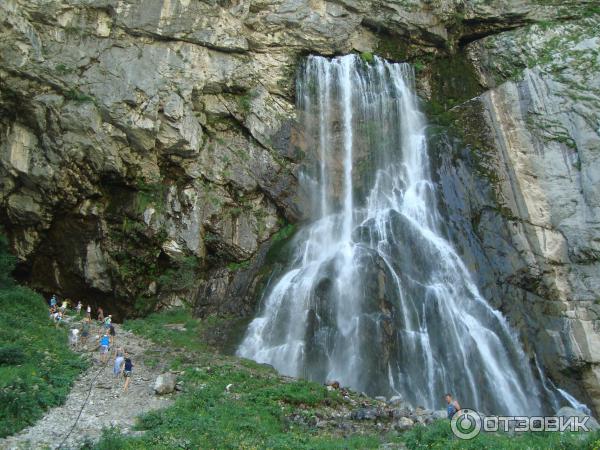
[{"x": 148, "y": 153}]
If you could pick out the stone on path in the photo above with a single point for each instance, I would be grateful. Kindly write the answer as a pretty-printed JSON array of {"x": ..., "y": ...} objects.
[{"x": 165, "y": 383}]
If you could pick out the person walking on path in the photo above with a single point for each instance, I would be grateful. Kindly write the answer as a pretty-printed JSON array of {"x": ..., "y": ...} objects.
[
  {"x": 127, "y": 370},
  {"x": 85, "y": 331},
  {"x": 119, "y": 361},
  {"x": 78, "y": 308},
  {"x": 112, "y": 334},
  {"x": 107, "y": 322},
  {"x": 88, "y": 312},
  {"x": 104, "y": 345},
  {"x": 53, "y": 301}
]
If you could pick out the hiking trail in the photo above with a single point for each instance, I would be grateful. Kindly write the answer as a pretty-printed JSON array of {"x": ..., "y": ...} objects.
[{"x": 107, "y": 406}]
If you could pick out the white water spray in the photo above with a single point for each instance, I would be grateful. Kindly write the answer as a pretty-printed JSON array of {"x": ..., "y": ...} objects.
[{"x": 374, "y": 296}]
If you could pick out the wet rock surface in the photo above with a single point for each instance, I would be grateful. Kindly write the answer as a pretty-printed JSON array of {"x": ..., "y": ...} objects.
[{"x": 360, "y": 414}]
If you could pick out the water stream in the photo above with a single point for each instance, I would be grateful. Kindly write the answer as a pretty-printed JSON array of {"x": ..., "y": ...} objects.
[{"x": 374, "y": 296}]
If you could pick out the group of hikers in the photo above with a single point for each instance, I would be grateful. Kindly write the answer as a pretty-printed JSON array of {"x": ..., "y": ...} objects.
[{"x": 106, "y": 336}]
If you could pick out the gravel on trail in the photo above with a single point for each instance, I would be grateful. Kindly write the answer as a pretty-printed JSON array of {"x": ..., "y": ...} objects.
[{"x": 107, "y": 406}]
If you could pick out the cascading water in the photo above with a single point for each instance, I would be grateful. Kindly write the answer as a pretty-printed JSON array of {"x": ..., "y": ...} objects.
[{"x": 374, "y": 296}]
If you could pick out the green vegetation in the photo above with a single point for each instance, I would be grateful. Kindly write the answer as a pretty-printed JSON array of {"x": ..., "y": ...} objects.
[
  {"x": 439, "y": 436},
  {"x": 36, "y": 368},
  {"x": 284, "y": 233},
  {"x": 394, "y": 48},
  {"x": 453, "y": 80},
  {"x": 256, "y": 410},
  {"x": 367, "y": 57},
  {"x": 235, "y": 266},
  {"x": 78, "y": 96},
  {"x": 149, "y": 194},
  {"x": 153, "y": 327},
  {"x": 181, "y": 277},
  {"x": 245, "y": 101},
  {"x": 62, "y": 69}
]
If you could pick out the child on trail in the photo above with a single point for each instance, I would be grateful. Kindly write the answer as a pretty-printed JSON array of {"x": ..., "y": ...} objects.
[
  {"x": 104, "y": 344},
  {"x": 74, "y": 338},
  {"x": 119, "y": 360},
  {"x": 127, "y": 369},
  {"x": 85, "y": 331},
  {"x": 107, "y": 322},
  {"x": 57, "y": 318}
]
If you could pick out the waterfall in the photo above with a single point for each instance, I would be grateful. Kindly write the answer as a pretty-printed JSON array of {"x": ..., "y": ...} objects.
[{"x": 374, "y": 296}]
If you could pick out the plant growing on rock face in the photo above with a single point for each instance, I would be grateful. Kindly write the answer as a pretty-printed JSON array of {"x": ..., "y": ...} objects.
[
  {"x": 235, "y": 266},
  {"x": 7, "y": 264},
  {"x": 78, "y": 96},
  {"x": 245, "y": 101},
  {"x": 181, "y": 277},
  {"x": 367, "y": 57}
]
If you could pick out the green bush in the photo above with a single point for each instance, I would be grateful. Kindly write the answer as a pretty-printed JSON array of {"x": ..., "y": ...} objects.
[
  {"x": 367, "y": 57},
  {"x": 11, "y": 355}
]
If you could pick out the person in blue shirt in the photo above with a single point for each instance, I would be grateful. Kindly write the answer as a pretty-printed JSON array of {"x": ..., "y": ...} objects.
[
  {"x": 453, "y": 406},
  {"x": 53, "y": 301},
  {"x": 104, "y": 344}
]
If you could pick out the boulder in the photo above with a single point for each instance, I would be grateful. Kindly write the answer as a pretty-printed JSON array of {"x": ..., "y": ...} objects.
[
  {"x": 400, "y": 412},
  {"x": 404, "y": 423},
  {"x": 439, "y": 414},
  {"x": 165, "y": 383},
  {"x": 396, "y": 400},
  {"x": 365, "y": 414}
]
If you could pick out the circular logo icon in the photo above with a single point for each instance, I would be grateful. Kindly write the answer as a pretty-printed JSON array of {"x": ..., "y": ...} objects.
[{"x": 466, "y": 424}]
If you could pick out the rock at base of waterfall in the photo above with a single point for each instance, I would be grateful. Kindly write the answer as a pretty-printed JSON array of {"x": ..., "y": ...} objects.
[
  {"x": 396, "y": 400},
  {"x": 567, "y": 411},
  {"x": 165, "y": 383},
  {"x": 439, "y": 414},
  {"x": 365, "y": 414},
  {"x": 401, "y": 412},
  {"x": 420, "y": 411},
  {"x": 404, "y": 423}
]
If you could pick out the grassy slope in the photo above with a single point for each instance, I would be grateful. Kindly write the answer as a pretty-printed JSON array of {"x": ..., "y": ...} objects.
[
  {"x": 36, "y": 366},
  {"x": 256, "y": 412}
]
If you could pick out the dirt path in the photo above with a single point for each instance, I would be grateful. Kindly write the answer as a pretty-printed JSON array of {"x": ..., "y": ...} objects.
[{"x": 107, "y": 405}]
